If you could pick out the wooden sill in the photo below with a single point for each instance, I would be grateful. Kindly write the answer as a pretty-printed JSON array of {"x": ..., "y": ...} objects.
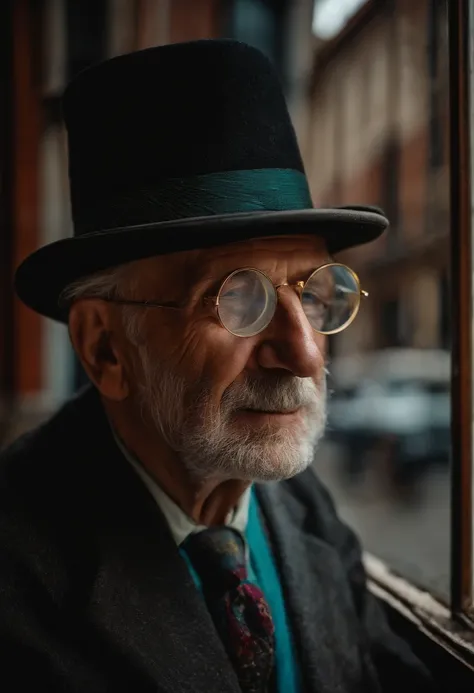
[{"x": 417, "y": 607}]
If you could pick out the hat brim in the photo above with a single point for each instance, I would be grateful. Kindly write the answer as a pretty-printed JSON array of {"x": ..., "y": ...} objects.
[{"x": 43, "y": 275}]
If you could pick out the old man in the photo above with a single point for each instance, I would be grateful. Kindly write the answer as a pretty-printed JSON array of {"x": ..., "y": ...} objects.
[{"x": 163, "y": 531}]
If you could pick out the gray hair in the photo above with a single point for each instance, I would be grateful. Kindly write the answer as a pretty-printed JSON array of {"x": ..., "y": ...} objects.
[{"x": 115, "y": 283}]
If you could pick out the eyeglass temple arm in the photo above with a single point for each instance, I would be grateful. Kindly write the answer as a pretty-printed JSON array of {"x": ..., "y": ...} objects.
[{"x": 144, "y": 304}]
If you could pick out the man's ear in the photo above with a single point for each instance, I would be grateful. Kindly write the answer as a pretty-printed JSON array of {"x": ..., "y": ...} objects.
[{"x": 94, "y": 336}]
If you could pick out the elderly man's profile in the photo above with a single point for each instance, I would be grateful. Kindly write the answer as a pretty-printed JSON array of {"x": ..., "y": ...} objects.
[{"x": 164, "y": 531}]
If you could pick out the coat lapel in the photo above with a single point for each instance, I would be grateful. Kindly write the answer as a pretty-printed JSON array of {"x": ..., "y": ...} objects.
[
  {"x": 142, "y": 600},
  {"x": 142, "y": 603},
  {"x": 318, "y": 597}
]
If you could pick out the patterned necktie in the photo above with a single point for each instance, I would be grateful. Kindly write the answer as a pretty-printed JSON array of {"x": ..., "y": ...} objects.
[{"x": 238, "y": 607}]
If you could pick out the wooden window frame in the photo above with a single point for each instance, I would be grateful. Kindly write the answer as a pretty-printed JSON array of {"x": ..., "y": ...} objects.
[{"x": 460, "y": 48}]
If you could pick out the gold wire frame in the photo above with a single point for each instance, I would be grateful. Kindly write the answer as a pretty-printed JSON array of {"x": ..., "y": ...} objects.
[
  {"x": 213, "y": 301},
  {"x": 299, "y": 288}
]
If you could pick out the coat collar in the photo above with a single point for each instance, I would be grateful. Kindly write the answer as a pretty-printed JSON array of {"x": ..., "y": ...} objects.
[{"x": 142, "y": 600}]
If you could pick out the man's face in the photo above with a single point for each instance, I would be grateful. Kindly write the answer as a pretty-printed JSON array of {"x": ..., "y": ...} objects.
[{"x": 249, "y": 408}]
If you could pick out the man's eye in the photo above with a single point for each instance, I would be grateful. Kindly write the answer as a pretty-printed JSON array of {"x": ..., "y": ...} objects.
[
  {"x": 232, "y": 293},
  {"x": 313, "y": 299}
]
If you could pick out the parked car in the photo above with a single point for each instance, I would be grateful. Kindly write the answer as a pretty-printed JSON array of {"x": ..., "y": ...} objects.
[{"x": 395, "y": 403}]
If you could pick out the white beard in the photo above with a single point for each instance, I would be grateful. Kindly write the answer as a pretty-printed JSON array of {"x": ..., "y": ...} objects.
[{"x": 209, "y": 443}]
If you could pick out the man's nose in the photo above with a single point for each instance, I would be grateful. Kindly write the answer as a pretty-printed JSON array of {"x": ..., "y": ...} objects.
[{"x": 289, "y": 342}]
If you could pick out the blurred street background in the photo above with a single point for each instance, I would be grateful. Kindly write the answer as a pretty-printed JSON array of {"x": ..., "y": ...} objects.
[{"x": 367, "y": 85}]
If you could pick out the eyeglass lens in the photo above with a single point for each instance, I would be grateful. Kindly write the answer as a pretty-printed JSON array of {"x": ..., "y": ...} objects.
[
  {"x": 330, "y": 298},
  {"x": 247, "y": 300}
]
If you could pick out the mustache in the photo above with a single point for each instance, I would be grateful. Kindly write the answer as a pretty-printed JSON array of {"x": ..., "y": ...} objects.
[{"x": 274, "y": 393}]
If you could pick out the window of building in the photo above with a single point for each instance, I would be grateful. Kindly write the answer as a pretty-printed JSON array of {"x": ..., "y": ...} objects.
[
  {"x": 390, "y": 323},
  {"x": 261, "y": 24},
  {"x": 85, "y": 18},
  {"x": 390, "y": 182},
  {"x": 445, "y": 312}
]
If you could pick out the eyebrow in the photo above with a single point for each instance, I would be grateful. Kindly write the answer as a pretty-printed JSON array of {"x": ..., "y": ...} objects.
[
  {"x": 205, "y": 272},
  {"x": 202, "y": 279},
  {"x": 202, "y": 273}
]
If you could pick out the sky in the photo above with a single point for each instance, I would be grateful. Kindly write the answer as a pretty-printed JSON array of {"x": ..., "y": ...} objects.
[{"x": 331, "y": 15}]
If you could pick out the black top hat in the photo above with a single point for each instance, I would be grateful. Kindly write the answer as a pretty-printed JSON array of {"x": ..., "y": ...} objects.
[{"x": 179, "y": 147}]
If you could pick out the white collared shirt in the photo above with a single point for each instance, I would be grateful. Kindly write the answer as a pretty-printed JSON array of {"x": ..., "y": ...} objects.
[{"x": 180, "y": 524}]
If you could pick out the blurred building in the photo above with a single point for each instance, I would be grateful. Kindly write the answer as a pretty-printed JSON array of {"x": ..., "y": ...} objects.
[
  {"x": 377, "y": 134},
  {"x": 43, "y": 44}
]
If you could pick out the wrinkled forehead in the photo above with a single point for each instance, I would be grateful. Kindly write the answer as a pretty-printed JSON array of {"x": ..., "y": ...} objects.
[
  {"x": 265, "y": 250},
  {"x": 285, "y": 254}
]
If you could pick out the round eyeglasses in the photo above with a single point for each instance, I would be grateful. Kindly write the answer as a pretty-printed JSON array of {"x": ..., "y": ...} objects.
[{"x": 247, "y": 300}]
